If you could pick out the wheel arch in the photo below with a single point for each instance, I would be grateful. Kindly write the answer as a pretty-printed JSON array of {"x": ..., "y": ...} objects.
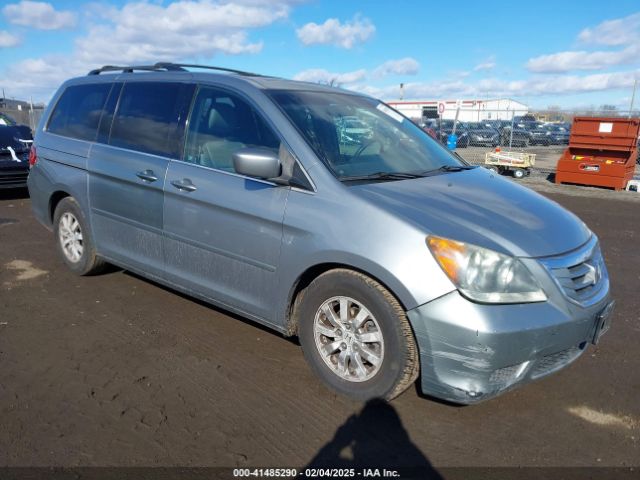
[
  {"x": 54, "y": 199},
  {"x": 309, "y": 275}
]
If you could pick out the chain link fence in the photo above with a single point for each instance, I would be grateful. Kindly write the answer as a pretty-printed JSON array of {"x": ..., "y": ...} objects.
[
  {"x": 24, "y": 116},
  {"x": 544, "y": 135}
]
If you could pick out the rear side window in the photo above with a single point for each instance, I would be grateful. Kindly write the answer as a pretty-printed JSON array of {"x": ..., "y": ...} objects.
[
  {"x": 77, "y": 113},
  {"x": 151, "y": 116}
]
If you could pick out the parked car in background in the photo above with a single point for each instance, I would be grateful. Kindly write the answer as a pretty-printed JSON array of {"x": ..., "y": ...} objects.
[
  {"x": 445, "y": 128},
  {"x": 519, "y": 138},
  {"x": 430, "y": 126},
  {"x": 527, "y": 121},
  {"x": 391, "y": 260},
  {"x": 482, "y": 134},
  {"x": 539, "y": 134},
  {"x": 557, "y": 134},
  {"x": 353, "y": 130},
  {"x": 15, "y": 143}
]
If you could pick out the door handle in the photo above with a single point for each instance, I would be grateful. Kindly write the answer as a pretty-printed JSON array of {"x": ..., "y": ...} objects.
[
  {"x": 147, "y": 176},
  {"x": 184, "y": 185}
]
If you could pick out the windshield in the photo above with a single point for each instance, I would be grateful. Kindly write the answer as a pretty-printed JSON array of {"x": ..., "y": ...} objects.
[{"x": 386, "y": 142}]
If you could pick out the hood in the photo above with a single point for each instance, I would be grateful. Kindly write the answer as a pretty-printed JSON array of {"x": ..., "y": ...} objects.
[
  {"x": 485, "y": 132},
  {"x": 478, "y": 207}
]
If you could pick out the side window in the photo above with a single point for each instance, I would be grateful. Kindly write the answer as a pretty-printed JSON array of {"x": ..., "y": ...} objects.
[
  {"x": 107, "y": 115},
  {"x": 77, "y": 113},
  {"x": 222, "y": 123},
  {"x": 151, "y": 117}
]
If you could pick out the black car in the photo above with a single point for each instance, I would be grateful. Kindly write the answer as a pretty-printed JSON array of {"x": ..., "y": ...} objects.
[
  {"x": 445, "y": 128},
  {"x": 540, "y": 134},
  {"x": 15, "y": 143},
  {"x": 482, "y": 134},
  {"x": 520, "y": 137},
  {"x": 558, "y": 134}
]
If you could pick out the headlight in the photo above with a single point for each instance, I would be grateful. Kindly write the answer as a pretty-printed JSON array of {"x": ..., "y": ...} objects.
[{"x": 483, "y": 275}]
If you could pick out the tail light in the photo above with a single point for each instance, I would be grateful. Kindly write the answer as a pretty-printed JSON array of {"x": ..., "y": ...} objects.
[{"x": 33, "y": 157}]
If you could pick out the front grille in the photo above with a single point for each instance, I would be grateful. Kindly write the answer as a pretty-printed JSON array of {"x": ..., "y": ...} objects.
[
  {"x": 555, "y": 361},
  {"x": 581, "y": 275}
]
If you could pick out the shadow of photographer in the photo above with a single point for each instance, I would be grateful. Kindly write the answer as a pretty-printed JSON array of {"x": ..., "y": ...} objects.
[{"x": 375, "y": 439}]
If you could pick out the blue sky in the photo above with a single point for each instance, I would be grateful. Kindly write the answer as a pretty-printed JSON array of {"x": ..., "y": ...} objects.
[{"x": 567, "y": 53}]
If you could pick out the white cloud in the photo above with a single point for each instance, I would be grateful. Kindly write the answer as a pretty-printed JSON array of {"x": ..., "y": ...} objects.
[
  {"x": 141, "y": 32},
  {"x": 489, "y": 64},
  {"x": 8, "y": 40},
  {"x": 179, "y": 30},
  {"x": 332, "y": 32},
  {"x": 319, "y": 75},
  {"x": 621, "y": 31},
  {"x": 39, "y": 77},
  {"x": 40, "y": 15},
  {"x": 536, "y": 86},
  {"x": 402, "y": 66},
  {"x": 582, "y": 60}
]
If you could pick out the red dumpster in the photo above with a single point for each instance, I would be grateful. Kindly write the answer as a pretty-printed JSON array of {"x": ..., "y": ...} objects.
[{"x": 602, "y": 152}]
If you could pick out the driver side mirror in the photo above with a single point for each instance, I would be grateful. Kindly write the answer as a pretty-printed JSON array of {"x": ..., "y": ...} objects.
[{"x": 257, "y": 162}]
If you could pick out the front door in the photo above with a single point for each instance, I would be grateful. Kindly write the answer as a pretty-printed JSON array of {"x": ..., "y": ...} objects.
[{"x": 222, "y": 230}]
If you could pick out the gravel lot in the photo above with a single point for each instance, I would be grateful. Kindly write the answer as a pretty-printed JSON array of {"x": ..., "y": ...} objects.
[{"x": 114, "y": 370}]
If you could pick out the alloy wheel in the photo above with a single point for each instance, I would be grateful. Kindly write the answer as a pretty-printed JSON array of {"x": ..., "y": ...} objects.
[
  {"x": 349, "y": 339},
  {"x": 70, "y": 237}
]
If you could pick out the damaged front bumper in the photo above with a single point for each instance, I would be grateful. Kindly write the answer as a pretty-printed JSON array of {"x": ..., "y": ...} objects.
[{"x": 471, "y": 352}]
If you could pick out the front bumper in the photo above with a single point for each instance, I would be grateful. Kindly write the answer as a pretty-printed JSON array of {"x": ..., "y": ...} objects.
[{"x": 471, "y": 352}]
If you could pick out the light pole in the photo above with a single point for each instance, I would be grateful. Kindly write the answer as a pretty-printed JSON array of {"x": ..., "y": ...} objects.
[{"x": 633, "y": 96}]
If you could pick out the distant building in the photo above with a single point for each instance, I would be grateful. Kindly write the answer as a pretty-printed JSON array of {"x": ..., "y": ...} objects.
[
  {"x": 11, "y": 104},
  {"x": 466, "y": 110},
  {"x": 22, "y": 112}
]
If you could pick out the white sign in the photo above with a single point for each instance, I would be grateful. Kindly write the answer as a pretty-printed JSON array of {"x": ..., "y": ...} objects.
[
  {"x": 605, "y": 127},
  {"x": 441, "y": 108}
]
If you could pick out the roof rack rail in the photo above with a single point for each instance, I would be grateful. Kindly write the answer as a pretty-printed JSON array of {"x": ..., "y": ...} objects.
[
  {"x": 166, "y": 66},
  {"x": 169, "y": 66},
  {"x": 132, "y": 68}
]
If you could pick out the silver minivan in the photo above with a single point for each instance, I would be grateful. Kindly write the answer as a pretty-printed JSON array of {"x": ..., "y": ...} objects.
[{"x": 388, "y": 256}]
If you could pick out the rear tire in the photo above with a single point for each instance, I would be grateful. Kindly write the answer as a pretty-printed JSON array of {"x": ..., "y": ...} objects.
[
  {"x": 73, "y": 239},
  {"x": 356, "y": 337},
  {"x": 518, "y": 173}
]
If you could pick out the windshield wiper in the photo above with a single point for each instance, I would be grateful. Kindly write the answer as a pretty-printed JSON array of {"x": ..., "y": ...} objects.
[
  {"x": 448, "y": 168},
  {"x": 381, "y": 176}
]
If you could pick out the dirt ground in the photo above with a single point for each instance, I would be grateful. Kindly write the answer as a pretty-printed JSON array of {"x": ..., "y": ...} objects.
[{"x": 114, "y": 370}]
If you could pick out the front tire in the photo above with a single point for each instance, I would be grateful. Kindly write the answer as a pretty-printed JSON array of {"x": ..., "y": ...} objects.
[
  {"x": 356, "y": 337},
  {"x": 73, "y": 239}
]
